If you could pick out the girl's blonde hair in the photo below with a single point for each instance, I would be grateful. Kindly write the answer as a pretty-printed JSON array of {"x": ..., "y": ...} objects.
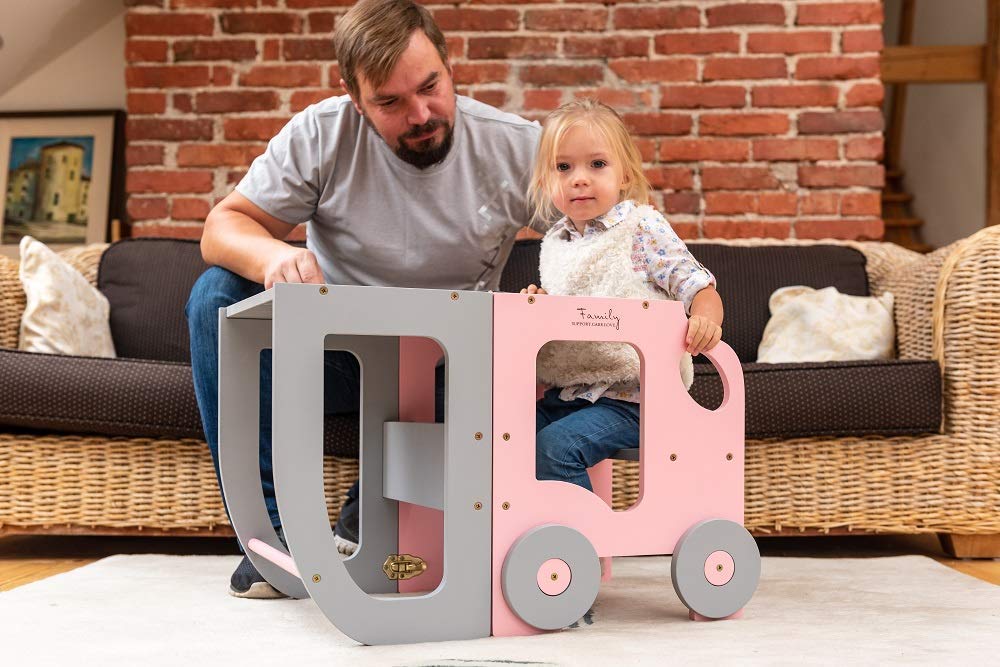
[{"x": 602, "y": 118}]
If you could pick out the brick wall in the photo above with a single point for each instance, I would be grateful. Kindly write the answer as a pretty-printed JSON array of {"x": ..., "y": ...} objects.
[{"x": 754, "y": 119}]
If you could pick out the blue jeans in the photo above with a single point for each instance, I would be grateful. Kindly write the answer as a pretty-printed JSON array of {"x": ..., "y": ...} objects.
[{"x": 572, "y": 436}]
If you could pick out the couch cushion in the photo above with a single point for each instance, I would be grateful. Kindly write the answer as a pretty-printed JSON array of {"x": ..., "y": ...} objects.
[
  {"x": 148, "y": 281},
  {"x": 843, "y": 398},
  {"x": 747, "y": 276}
]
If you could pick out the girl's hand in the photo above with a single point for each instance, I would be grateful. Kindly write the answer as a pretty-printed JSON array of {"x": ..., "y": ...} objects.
[
  {"x": 533, "y": 289},
  {"x": 702, "y": 334}
]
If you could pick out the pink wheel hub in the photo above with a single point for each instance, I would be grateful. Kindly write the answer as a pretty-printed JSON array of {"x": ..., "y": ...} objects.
[
  {"x": 554, "y": 576},
  {"x": 719, "y": 568}
]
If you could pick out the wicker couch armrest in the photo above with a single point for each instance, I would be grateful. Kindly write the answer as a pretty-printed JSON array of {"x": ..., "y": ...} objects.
[{"x": 84, "y": 259}]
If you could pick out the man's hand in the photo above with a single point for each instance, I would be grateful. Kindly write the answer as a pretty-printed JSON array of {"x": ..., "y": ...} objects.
[
  {"x": 292, "y": 265},
  {"x": 702, "y": 334},
  {"x": 533, "y": 289}
]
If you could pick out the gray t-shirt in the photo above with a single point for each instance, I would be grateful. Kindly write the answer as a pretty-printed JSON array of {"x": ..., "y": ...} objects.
[{"x": 376, "y": 220}]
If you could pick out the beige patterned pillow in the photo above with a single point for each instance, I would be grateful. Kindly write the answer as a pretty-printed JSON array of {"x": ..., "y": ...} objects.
[
  {"x": 824, "y": 325},
  {"x": 64, "y": 314}
]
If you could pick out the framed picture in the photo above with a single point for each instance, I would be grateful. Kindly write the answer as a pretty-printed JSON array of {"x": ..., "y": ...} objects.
[{"x": 62, "y": 176}]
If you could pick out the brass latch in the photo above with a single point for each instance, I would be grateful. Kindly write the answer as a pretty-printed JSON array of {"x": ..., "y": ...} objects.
[{"x": 403, "y": 566}]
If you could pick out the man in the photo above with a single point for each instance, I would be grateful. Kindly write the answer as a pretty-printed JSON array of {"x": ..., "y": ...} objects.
[{"x": 400, "y": 182}]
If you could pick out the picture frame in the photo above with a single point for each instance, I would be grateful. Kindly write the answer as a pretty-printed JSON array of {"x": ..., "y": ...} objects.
[{"x": 62, "y": 176}]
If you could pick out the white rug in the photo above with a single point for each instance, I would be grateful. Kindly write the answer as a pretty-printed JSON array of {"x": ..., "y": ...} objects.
[{"x": 159, "y": 610}]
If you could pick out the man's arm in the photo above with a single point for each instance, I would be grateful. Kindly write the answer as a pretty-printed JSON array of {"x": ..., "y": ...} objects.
[{"x": 242, "y": 237}]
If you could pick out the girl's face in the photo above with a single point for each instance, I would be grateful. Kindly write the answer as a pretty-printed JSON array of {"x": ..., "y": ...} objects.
[{"x": 589, "y": 183}]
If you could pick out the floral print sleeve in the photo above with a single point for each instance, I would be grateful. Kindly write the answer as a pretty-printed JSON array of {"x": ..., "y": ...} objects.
[{"x": 659, "y": 252}]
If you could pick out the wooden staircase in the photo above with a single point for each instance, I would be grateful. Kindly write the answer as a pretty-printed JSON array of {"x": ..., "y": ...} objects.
[{"x": 901, "y": 227}]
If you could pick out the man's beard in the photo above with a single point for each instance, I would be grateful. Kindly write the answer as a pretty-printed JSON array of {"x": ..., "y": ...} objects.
[{"x": 428, "y": 154}]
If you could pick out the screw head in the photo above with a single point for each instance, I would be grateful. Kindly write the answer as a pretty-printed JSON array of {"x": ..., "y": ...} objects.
[
  {"x": 505, "y": 506},
  {"x": 554, "y": 576},
  {"x": 323, "y": 290},
  {"x": 316, "y": 578},
  {"x": 478, "y": 436},
  {"x": 531, "y": 299},
  {"x": 718, "y": 568},
  {"x": 454, "y": 296},
  {"x": 506, "y": 436},
  {"x": 477, "y": 506},
  {"x": 729, "y": 456},
  {"x": 673, "y": 457},
  {"x": 645, "y": 304}
]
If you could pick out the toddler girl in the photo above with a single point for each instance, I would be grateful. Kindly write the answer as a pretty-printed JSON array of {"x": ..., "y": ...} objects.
[{"x": 609, "y": 243}]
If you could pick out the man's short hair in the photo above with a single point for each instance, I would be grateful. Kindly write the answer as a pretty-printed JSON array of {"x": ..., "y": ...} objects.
[{"x": 371, "y": 37}]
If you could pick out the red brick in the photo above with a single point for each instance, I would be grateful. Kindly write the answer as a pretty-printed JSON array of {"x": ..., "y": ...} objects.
[
  {"x": 163, "y": 129},
  {"x": 657, "y": 123},
  {"x": 841, "y": 177},
  {"x": 795, "y": 96},
  {"x": 249, "y": 129},
  {"x": 160, "y": 180},
  {"x": 272, "y": 49},
  {"x": 670, "y": 178},
  {"x": 837, "y": 67},
  {"x": 856, "y": 41},
  {"x": 545, "y": 100},
  {"x": 309, "y": 4},
  {"x": 496, "y": 48},
  {"x": 300, "y": 99},
  {"x": 282, "y": 76},
  {"x": 746, "y": 14},
  {"x": 139, "y": 154},
  {"x": 496, "y": 98},
  {"x": 738, "y": 178},
  {"x": 656, "y": 18},
  {"x": 221, "y": 4},
  {"x": 655, "y": 71},
  {"x": 476, "y": 19},
  {"x": 140, "y": 103},
  {"x": 182, "y": 102},
  {"x": 682, "y": 202},
  {"x": 189, "y": 208},
  {"x": 145, "y": 50},
  {"x": 840, "y": 13},
  {"x": 619, "y": 46},
  {"x": 617, "y": 98},
  {"x": 704, "y": 42},
  {"x": 166, "y": 231},
  {"x": 647, "y": 148},
  {"x": 840, "y": 122},
  {"x": 308, "y": 49},
  {"x": 168, "y": 24},
  {"x": 260, "y": 22},
  {"x": 733, "y": 124},
  {"x": 577, "y": 19},
  {"x": 333, "y": 76},
  {"x": 561, "y": 75},
  {"x": 698, "y": 150},
  {"x": 469, "y": 73},
  {"x": 795, "y": 149},
  {"x": 861, "y": 203},
  {"x": 222, "y": 76},
  {"x": 685, "y": 230},
  {"x": 321, "y": 22},
  {"x": 778, "y": 203},
  {"x": 455, "y": 46},
  {"x": 818, "y": 202},
  {"x": 702, "y": 96},
  {"x": 790, "y": 42},
  {"x": 865, "y": 95},
  {"x": 839, "y": 228},
  {"x": 744, "y": 68},
  {"x": 146, "y": 208},
  {"x": 723, "y": 203},
  {"x": 166, "y": 76},
  {"x": 747, "y": 229},
  {"x": 864, "y": 148},
  {"x": 217, "y": 155},
  {"x": 215, "y": 49},
  {"x": 230, "y": 101}
]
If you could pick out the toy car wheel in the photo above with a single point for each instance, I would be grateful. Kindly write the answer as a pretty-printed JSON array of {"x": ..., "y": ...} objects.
[
  {"x": 551, "y": 576},
  {"x": 715, "y": 568}
]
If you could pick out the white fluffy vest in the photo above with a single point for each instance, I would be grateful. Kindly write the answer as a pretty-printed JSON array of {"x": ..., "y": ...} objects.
[{"x": 600, "y": 265}]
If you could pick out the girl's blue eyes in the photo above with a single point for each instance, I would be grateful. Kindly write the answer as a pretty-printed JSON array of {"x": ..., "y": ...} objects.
[{"x": 596, "y": 164}]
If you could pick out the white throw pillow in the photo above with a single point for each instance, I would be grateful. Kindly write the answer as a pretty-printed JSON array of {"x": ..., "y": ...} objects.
[
  {"x": 824, "y": 325},
  {"x": 64, "y": 314}
]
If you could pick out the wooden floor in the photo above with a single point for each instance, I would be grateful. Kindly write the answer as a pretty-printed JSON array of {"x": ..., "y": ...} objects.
[{"x": 24, "y": 559}]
